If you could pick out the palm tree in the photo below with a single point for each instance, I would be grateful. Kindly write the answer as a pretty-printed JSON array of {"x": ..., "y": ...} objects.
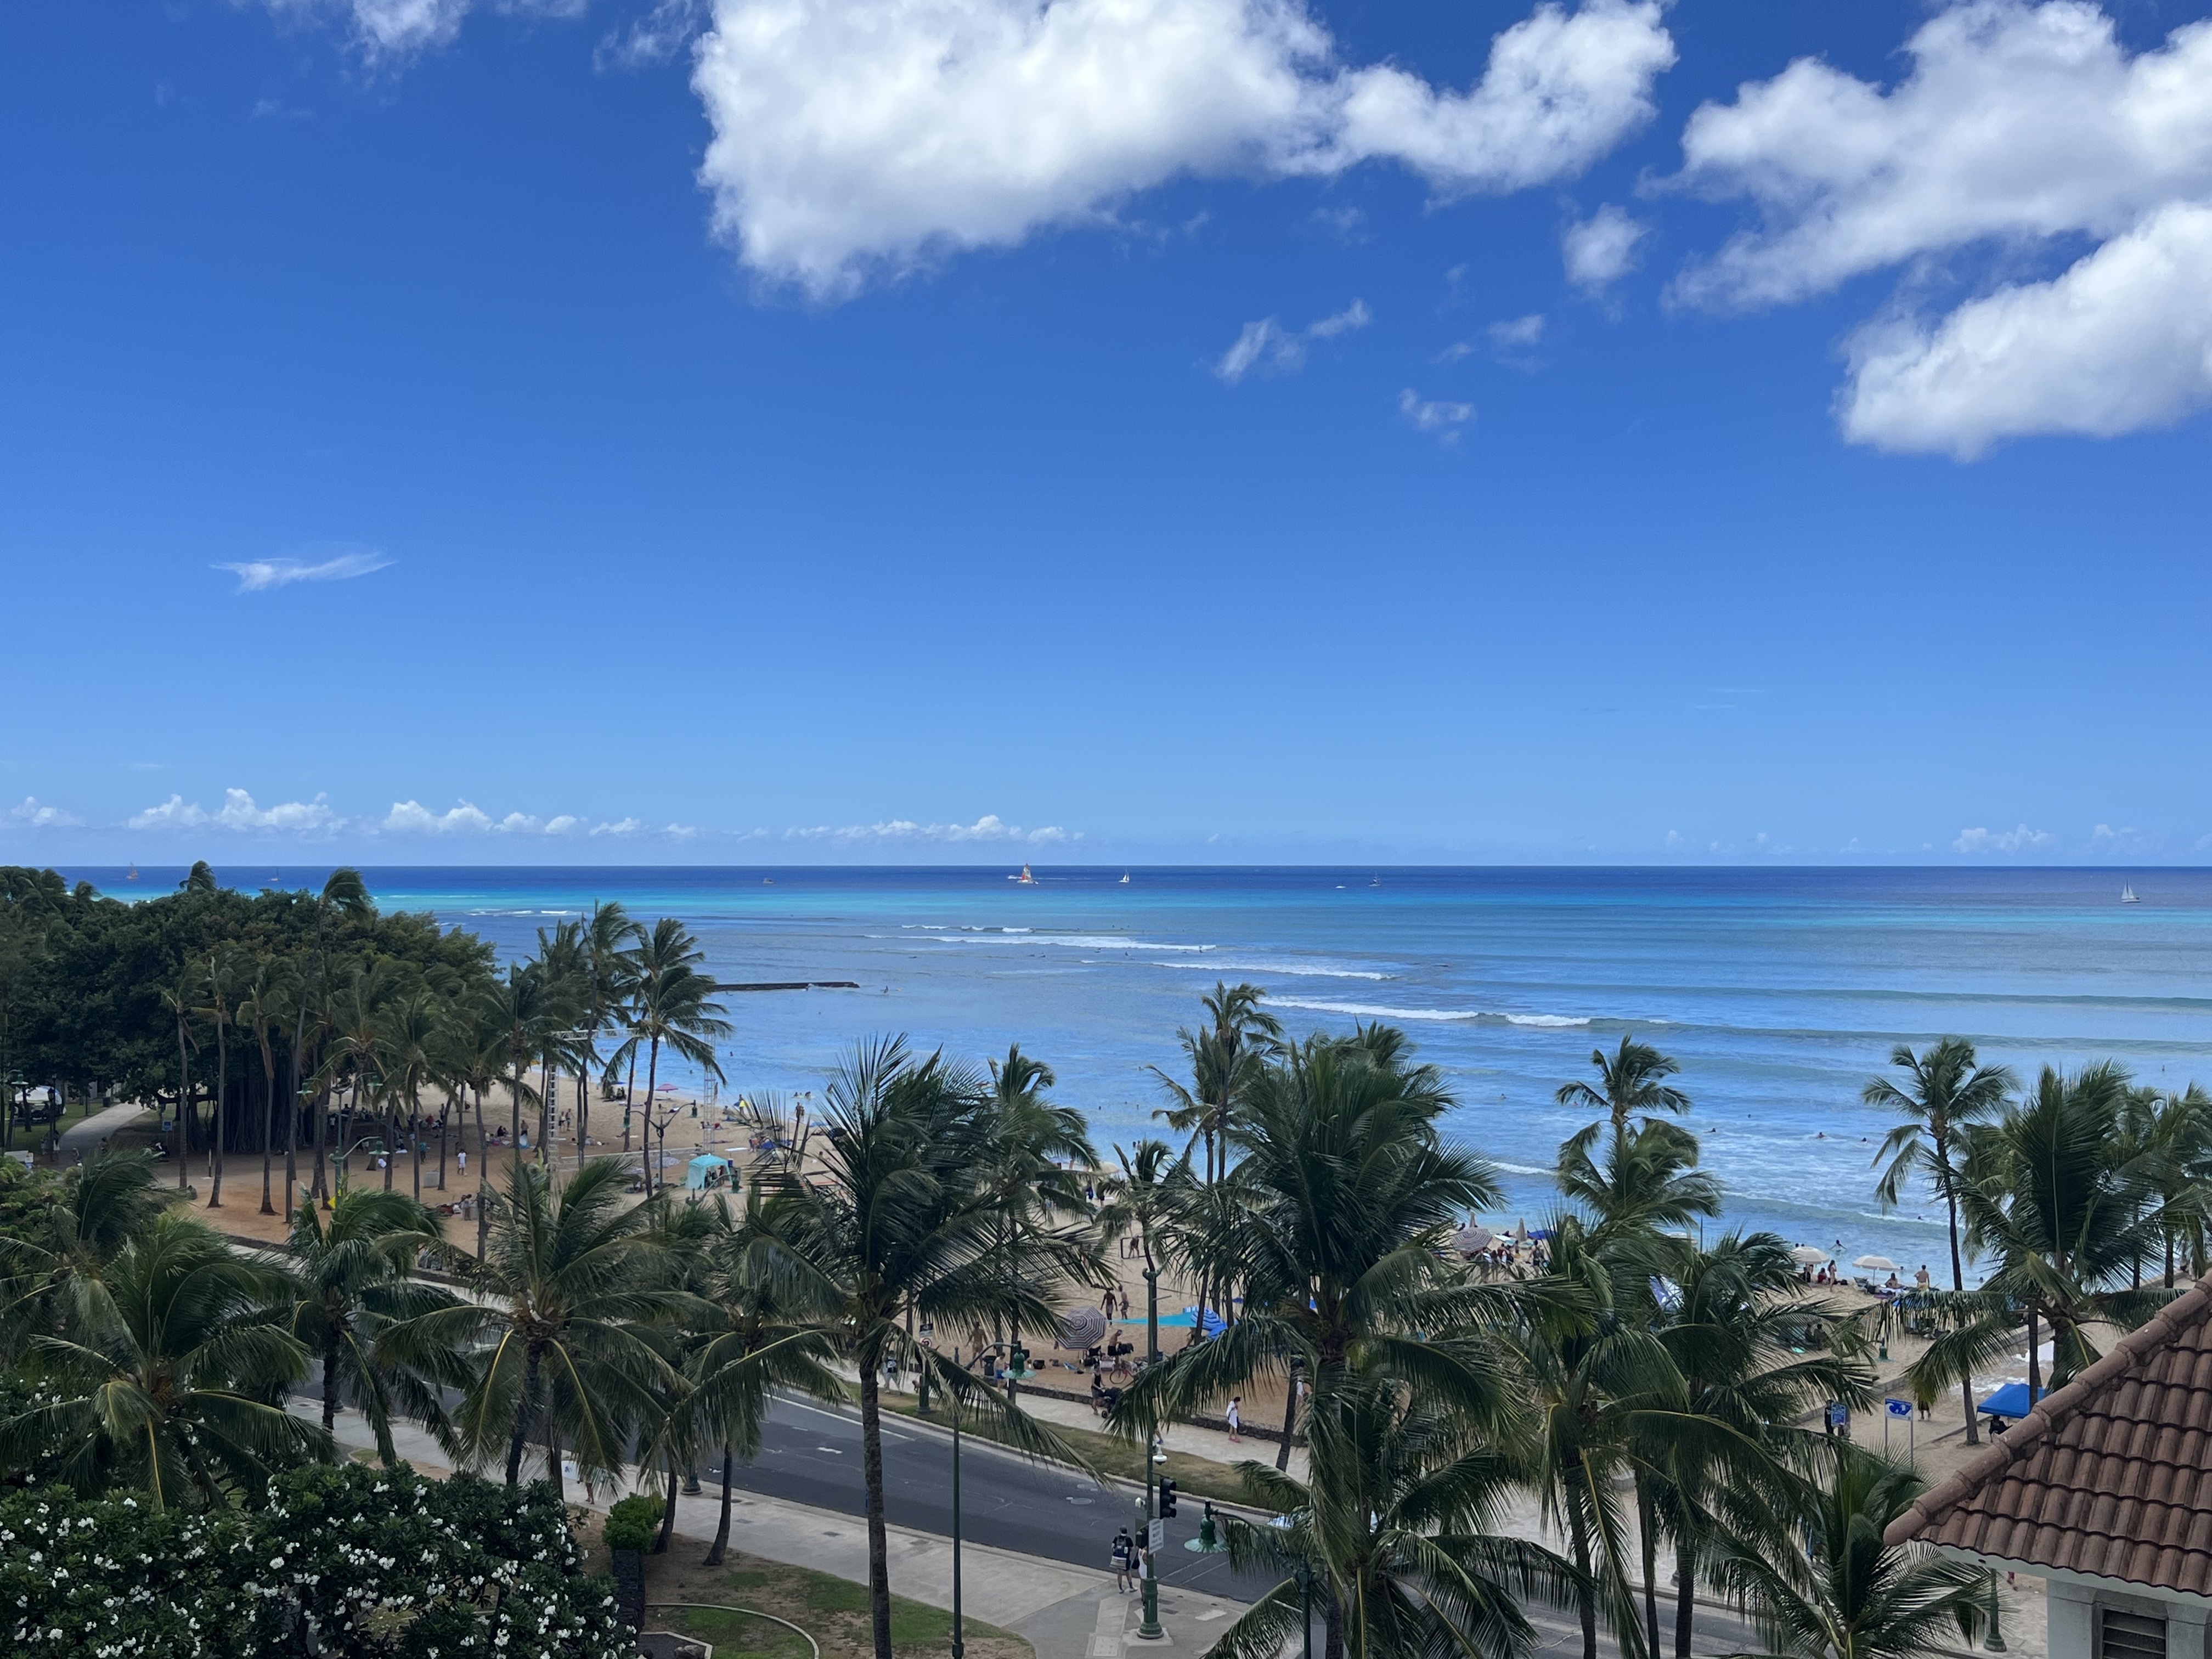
[
  {"x": 354, "y": 1277},
  {"x": 1944, "y": 1091},
  {"x": 1604, "y": 1386},
  {"x": 673, "y": 1006},
  {"x": 102, "y": 1205},
  {"x": 571, "y": 1309},
  {"x": 2169, "y": 1140},
  {"x": 1225, "y": 1054},
  {"x": 218, "y": 983},
  {"x": 1395, "y": 1528},
  {"x": 407, "y": 1052},
  {"x": 1143, "y": 1202},
  {"x": 178, "y": 999},
  {"x": 1629, "y": 1082},
  {"x": 897, "y": 1220},
  {"x": 530, "y": 1009},
  {"x": 1735, "y": 1327},
  {"x": 1345, "y": 1190},
  {"x": 346, "y": 897},
  {"x": 611, "y": 965},
  {"x": 1849, "y": 1595},
  {"x": 764, "y": 1336},
  {"x": 262, "y": 1002},
  {"x": 2043, "y": 1193},
  {"x": 168, "y": 1374},
  {"x": 1037, "y": 1150},
  {"x": 1648, "y": 1181}
]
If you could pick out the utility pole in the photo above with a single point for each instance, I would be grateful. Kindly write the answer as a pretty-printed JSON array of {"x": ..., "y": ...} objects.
[{"x": 1150, "y": 1630}]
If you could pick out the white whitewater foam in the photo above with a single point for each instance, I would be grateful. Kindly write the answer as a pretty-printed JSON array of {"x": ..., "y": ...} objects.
[
  {"x": 1373, "y": 1011},
  {"x": 1300, "y": 971},
  {"x": 1071, "y": 941}
]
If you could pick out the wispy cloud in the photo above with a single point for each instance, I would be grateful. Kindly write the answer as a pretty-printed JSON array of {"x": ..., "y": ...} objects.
[
  {"x": 256, "y": 574},
  {"x": 39, "y": 816},
  {"x": 1601, "y": 250},
  {"x": 1269, "y": 347},
  {"x": 1435, "y": 415}
]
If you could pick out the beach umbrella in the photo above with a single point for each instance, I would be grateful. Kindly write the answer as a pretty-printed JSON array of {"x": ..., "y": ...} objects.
[
  {"x": 1880, "y": 1264},
  {"x": 1471, "y": 1239},
  {"x": 1086, "y": 1327},
  {"x": 1805, "y": 1255}
]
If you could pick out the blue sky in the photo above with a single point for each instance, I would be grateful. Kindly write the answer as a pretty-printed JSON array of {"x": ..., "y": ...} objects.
[{"x": 776, "y": 430}]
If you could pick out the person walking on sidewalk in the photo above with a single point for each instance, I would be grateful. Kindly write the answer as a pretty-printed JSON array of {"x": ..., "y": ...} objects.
[
  {"x": 1236, "y": 1419},
  {"x": 1124, "y": 1548}
]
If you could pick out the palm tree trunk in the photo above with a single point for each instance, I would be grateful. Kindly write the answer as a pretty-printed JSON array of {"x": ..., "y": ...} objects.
[
  {"x": 1332, "y": 1644},
  {"x": 514, "y": 1121},
  {"x": 184, "y": 1098},
  {"x": 269, "y": 1133},
  {"x": 667, "y": 1510},
  {"x": 652, "y": 1077},
  {"x": 522, "y": 1416},
  {"x": 553, "y": 1463},
  {"x": 329, "y": 1382},
  {"x": 722, "y": 1531},
  {"x": 630, "y": 1098},
  {"x": 2034, "y": 1359},
  {"x": 871, "y": 1477},
  {"x": 1686, "y": 1595},
  {"x": 445, "y": 1117},
  {"x": 222, "y": 1101},
  {"x": 1585, "y": 1591},
  {"x": 1959, "y": 1284},
  {"x": 1289, "y": 1417},
  {"x": 415, "y": 1139},
  {"x": 1647, "y": 1530}
]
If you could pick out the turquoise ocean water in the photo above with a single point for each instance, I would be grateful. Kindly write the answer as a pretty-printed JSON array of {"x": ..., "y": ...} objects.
[{"x": 1779, "y": 991}]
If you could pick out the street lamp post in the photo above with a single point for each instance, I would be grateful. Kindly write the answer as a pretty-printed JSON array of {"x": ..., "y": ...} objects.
[
  {"x": 1150, "y": 1630},
  {"x": 959, "y": 1645}
]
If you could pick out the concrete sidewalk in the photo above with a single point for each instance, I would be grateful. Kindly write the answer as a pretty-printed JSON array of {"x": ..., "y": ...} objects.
[
  {"x": 1064, "y": 1612},
  {"x": 80, "y": 1140}
]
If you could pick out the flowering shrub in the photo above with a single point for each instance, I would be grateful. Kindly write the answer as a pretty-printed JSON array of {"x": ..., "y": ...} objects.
[{"x": 349, "y": 1561}]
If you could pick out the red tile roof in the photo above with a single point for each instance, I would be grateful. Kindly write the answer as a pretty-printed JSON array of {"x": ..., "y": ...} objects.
[{"x": 2110, "y": 1474}]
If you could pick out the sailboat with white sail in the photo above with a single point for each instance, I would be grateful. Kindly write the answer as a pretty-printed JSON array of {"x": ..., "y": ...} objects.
[{"x": 2128, "y": 896}]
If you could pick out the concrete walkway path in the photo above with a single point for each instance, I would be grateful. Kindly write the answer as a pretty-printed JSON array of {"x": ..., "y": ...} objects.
[{"x": 80, "y": 1140}]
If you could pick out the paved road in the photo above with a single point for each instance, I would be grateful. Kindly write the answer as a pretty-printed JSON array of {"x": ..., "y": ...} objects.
[
  {"x": 80, "y": 1140},
  {"x": 811, "y": 1455}
]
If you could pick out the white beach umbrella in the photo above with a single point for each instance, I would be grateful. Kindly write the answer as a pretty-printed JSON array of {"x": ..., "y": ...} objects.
[
  {"x": 1807, "y": 1255},
  {"x": 1083, "y": 1328},
  {"x": 1471, "y": 1239},
  {"x": 1880, "y": 1264}
]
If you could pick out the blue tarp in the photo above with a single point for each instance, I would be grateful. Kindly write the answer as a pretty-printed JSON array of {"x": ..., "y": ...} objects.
[{"x": 2010, "y": 1402}]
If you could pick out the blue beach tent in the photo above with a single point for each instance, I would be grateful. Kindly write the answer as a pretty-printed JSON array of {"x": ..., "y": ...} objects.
[
  {"x": 696, "y": 1172},
  {"x": 2010, "y": 1402}
]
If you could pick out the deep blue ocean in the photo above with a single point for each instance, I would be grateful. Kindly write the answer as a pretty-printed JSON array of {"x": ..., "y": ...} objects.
[{"x": 1780, "y": 992}]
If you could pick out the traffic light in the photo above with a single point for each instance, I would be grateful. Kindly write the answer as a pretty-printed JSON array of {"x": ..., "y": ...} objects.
[{"x": 1167, "y": 1497}]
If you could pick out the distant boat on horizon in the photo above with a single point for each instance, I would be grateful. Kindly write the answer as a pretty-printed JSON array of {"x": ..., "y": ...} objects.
[
  {"x": 1125, "y": 878},
  {"x": 1025, "y": 878},
  {"x": 2128, "y": 896},
  {"x": 133, "y": 876}
]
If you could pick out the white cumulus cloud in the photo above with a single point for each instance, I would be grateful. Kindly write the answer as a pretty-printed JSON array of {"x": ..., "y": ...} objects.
[
  {"x": 239, "y": 810},
  {"x": 2020, "y": 840},
  {"x": 2120, "y": 341},
  {"x": 2016, "y": 125},
  {"x": 41, "y": 817},
  {"x": 621, "y": 827},
  {"x": 411, "y": 817},
  {"x": 857, "y": 135},
  {"x": 1268, "y": 345},
  {"x": 1601, "y": 250},
  {"x": 256, "y": 574}
]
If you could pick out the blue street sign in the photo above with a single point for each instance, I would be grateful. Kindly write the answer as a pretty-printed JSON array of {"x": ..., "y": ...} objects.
[{"x": 1898, "y": 1407}]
